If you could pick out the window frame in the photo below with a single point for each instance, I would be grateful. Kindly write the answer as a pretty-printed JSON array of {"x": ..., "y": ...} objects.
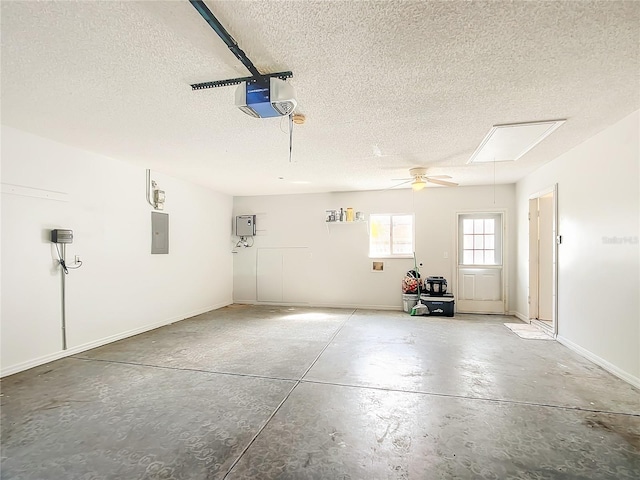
[
  {"x": 390, "y": 216},
  {"x": 498, "y": 238}
]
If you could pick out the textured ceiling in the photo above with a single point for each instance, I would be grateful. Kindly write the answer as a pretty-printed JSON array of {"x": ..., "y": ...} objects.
[{"x": 384, "y": 85}]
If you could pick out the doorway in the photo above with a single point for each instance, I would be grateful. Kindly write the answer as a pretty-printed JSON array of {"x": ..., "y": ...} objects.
[
  {"x": 480, "y": 263},
  {"x": 543, "y": 253}
]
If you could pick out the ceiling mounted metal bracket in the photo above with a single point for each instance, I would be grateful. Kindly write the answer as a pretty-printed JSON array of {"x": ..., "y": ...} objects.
[
  {"x": 237, "y": 81},
  {"x": 235, "y": 49}
]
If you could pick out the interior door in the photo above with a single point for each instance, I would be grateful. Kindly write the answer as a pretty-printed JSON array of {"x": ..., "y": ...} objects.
[
  {"x": 480, "y": 263},
  {"x": 542, "y": 259}
]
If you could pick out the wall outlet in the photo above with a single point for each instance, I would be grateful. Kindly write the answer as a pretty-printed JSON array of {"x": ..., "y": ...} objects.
[{"x": 446, "y": 255}]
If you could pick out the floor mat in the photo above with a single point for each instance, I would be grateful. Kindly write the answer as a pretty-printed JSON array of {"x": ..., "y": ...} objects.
[{"x": 525, "y": 330}]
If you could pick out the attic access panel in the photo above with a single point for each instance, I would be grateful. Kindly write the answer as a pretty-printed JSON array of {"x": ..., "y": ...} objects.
[{"x": 507, "y": 143}]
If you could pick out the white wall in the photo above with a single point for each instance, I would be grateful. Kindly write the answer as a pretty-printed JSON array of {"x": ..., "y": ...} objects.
[
  {"x": 121, "y": 289},
  {"x": 339, "y": 272},
  {"x": 598, "y": 282}
]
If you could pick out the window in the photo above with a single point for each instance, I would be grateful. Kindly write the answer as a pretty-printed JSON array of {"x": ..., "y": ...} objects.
[
  {"x": 480, "y": 239},
  {"x": 391, "y": 235}
]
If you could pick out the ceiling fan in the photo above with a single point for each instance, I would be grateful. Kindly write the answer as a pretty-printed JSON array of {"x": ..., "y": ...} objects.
[{"x": 419, "y": 179}]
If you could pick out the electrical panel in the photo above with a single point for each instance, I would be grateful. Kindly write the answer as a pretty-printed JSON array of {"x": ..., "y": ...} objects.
[
  {"x": 61, "y": 236},
  {"x": 245, "y": 225},
  {"x": 159, "y": 232}
]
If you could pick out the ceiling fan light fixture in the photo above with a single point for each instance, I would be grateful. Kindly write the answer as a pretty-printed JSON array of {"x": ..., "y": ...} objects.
[{"x": 418, "y": 184}]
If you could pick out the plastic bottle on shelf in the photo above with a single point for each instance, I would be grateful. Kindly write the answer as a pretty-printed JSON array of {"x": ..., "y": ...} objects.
[{"x": 349, "y": 214}]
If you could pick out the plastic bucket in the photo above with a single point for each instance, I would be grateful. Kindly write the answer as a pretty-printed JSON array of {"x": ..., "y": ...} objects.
[{"x": 409, "y": 301}]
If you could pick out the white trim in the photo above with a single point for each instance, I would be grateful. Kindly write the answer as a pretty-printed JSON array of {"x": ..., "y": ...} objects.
[
  {"x": 520, "y": 316},
  {"x": 543, "y": 192},
  {"x": 503, "y": 212},
  {"x": 544, "y": 326},
  {"x": 555, "y": 274},
  {"x": 322, "y": 305},
  {"x": 479, "y": 265},
  {"x": 103, "y": 341},
  {"x": 618, "y": 372},
  {"x": 553, "y": 125}
]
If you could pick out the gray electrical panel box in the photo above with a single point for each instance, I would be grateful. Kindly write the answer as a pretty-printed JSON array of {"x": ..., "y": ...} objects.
[
  {"x": 159, "y": 232},
  {"x": 245, "y": 225}
]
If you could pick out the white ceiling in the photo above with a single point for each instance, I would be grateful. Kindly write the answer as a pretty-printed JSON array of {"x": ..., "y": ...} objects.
[{"x": 384, "y": 85}]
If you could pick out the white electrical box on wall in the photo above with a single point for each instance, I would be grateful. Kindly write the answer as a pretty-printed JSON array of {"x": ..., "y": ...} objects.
[{"x": 245, "y": 225}]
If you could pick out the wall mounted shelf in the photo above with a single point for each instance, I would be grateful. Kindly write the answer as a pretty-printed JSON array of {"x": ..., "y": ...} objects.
[{"x": 359, "y": 222}]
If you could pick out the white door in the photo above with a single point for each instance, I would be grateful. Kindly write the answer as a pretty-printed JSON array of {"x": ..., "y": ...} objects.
[
  {"x": 480, "y": 263},
  {"x": 542, "y": 259}
]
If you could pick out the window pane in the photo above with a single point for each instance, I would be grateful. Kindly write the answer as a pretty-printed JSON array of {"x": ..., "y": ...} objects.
[
  {"x": 468, "y": 242},
  {"x": 390, "y": 235},
  {"x": 402, "y": 235},
  {"x": 480, "y": 239},
  {"x": 489, "y": 242},
  {"x": 489, "y": 225},
  {"x": 467, "y": 226},
  {"x": 380, "y": 235}
]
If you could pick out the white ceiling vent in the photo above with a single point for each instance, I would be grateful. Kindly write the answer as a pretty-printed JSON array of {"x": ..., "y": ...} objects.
[{"x": 506, "y": 143}]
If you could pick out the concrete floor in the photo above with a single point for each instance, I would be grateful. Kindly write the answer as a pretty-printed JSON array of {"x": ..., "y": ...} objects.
[{"x": 255, "y": 392}]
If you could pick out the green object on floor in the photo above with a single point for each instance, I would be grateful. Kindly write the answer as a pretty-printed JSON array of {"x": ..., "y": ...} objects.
[{"x": 419, "y": 308}]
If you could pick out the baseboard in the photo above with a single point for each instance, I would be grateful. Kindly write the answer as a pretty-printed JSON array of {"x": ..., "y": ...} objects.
[
  {"x": 358, "y": 306},
  {"x": 627, "y": 377},
  {"x": 104, "y": 341},
  {"x": 322, "y": 305},
  {"x": 520, "y": 316}
]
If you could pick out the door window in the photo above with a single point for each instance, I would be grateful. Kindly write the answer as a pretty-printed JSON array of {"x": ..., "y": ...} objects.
[{"x": 480, "y": 239}]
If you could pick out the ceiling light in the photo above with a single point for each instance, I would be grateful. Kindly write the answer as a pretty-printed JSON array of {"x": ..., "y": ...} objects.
[
  {"x": 418, "y": 184},
  {"x": 507, "y": 143}
]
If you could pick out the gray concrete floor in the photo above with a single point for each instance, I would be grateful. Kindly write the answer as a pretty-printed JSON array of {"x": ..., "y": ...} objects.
[{"x": 255, "y": 392}]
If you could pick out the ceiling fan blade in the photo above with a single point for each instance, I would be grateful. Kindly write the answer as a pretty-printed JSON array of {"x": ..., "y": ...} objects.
[
  {"x": 401, "y": 179},
  {"x": 394, "y": 186},
  {"x": 441, "y": 182},
  {"x": 438, "y": 176}
]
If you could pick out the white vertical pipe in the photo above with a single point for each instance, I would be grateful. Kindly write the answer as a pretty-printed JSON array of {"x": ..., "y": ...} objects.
[{"x": 64, "y": 320}]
